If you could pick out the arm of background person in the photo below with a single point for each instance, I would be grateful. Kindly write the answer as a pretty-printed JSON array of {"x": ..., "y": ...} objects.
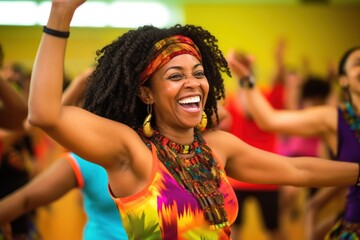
[
  {"x": 280, "y": 70},
  {"x": 13, "y": 109},
  {"x": 73, "y": 95},
  {"x": 314, "y": 121},
  {"x": 314, "y": 206},
  {"x": 46, "y": 187}
]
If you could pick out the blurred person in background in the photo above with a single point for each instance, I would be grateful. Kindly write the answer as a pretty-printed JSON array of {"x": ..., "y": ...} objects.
[
  {"x": 338, "y": 126},
  {"x": 242, "y": 125}
]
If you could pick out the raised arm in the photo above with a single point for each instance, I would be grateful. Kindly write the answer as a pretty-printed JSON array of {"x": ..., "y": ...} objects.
[
  {"x": 45, "y": 188},
  {"x": 316, "y": 121},
  {"x": 92, "y": 137},
  {"x": 13, "y": 107},
  {"x": 280, "y": 70}
]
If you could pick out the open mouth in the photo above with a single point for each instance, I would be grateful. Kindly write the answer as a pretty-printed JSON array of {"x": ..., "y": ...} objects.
[{"x": 190, "y": 102}]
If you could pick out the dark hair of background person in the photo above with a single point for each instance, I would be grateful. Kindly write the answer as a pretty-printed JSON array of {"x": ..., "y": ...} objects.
[{"x": 315, "y": 87}]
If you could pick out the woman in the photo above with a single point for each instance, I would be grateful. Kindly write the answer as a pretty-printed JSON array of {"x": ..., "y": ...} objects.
[
  {"x": 339, "y": 127},
  {"x": 167, "y": 179}
]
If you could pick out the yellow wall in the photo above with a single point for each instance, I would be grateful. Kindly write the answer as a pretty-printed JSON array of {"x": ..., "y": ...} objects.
[
  {"x": 20, "y": 44},
  {"x": 317, "y": 32}
]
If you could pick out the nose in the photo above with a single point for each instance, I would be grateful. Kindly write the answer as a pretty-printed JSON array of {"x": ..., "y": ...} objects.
[{"x": 191, "y": 82}]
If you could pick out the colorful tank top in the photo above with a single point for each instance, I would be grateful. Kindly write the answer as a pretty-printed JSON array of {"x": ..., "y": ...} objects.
[
  {"x": 349, "y": 150},
  {"x": 166, "y": 210}
]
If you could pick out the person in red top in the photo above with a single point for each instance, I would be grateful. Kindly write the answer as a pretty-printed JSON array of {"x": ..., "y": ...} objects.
[{"x": 241, "y": 124}]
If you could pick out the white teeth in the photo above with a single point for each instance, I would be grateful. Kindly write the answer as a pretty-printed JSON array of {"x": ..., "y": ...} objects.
[{"x": 190, "y": 100}]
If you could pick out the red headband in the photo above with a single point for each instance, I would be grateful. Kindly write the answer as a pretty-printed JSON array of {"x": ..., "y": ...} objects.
[{"x": 166, "y": 49}]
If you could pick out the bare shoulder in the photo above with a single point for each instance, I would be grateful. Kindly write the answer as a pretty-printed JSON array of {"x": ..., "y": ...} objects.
[
  {"x": 222, "y": 143},
  {"x": 216, "y": 136},
  {"x": 223, "y": 139}
]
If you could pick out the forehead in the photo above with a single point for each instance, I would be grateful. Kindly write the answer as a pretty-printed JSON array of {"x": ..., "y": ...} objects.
[
  {"x": 182, "y": 60},
  {"x": 354, "y": 56}
]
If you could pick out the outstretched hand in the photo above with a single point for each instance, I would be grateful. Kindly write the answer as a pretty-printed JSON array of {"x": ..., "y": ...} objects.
[
  {"x": 61, "y": 14},
  {"x": 240, "y": 64}
]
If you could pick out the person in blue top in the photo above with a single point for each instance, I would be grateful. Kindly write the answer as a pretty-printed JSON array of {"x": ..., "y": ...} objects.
[{"x": 67, "y": 173}]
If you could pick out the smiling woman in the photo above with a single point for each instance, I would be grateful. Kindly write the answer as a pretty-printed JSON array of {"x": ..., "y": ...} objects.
[{"x": 169, "y": 182}]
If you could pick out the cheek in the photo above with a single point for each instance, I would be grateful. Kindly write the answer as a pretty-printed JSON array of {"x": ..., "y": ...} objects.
[
  {"x": 354, "y": 73},
  {"x": 172, "y": 88},
  {"x": 169, "y": 89},
  {"x": 205, "y": 86}
]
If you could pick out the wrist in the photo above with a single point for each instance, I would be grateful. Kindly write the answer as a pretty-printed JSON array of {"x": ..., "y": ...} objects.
[
  {"x": 60, "y": 17},
  {"x": 247, "y": 82},
  {"x": 56, "y": 33}
]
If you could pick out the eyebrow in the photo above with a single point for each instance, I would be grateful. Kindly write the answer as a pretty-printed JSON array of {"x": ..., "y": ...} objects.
[{"x": 180, "y": 67}]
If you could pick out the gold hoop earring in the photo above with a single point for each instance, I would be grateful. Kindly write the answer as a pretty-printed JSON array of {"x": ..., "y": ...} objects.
[
  {"x": 203, "y": 123},
  {"x": 147, "y": 129}
]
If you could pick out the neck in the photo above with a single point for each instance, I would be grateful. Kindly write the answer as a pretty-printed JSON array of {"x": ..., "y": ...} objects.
[{"x": 180, "y": 137}]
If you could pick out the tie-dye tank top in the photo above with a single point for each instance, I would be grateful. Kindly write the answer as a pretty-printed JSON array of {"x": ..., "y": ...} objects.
[{"x": 166, "y": 210}]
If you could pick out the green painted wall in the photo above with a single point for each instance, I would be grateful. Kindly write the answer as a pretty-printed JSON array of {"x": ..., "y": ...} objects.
[{"x": 317, "y": 32}]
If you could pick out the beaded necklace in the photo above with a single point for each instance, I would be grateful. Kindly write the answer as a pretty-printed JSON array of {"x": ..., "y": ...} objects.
[
  {"x": 199, "y": 174},
  {"x": 352, "y": 120},
  {"x": 181, "y": 149}
]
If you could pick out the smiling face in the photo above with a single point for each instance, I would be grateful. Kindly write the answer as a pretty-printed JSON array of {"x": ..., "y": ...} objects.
[{"x": 178, "y": 92}]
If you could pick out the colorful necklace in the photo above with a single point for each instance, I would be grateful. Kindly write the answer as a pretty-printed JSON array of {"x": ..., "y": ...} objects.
[
  {"x": 352, "y": 120},
  {"x": 180, "y": 149},
  {"x": 199, "y": 174}
]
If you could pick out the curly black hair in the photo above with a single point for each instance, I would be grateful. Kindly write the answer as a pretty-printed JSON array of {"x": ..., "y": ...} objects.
[{"x": 113, "y": 88}]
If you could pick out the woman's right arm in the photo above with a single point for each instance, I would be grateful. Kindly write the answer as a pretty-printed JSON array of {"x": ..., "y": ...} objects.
[
  {"x": 48, "y": 186},
  {"x": 92, "y": 137}
]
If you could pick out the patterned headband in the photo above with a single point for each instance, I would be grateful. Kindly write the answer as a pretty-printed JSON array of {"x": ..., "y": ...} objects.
[{"x": 166, "y": 49}]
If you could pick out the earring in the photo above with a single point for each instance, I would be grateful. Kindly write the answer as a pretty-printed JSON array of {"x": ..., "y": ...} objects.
[
  {"x": 203, "y": 123},
  {"x": 147, "y": 129}
]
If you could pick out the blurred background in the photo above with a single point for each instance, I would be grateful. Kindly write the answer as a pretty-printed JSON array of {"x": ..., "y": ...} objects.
[{"x": 316, "y": 33}]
